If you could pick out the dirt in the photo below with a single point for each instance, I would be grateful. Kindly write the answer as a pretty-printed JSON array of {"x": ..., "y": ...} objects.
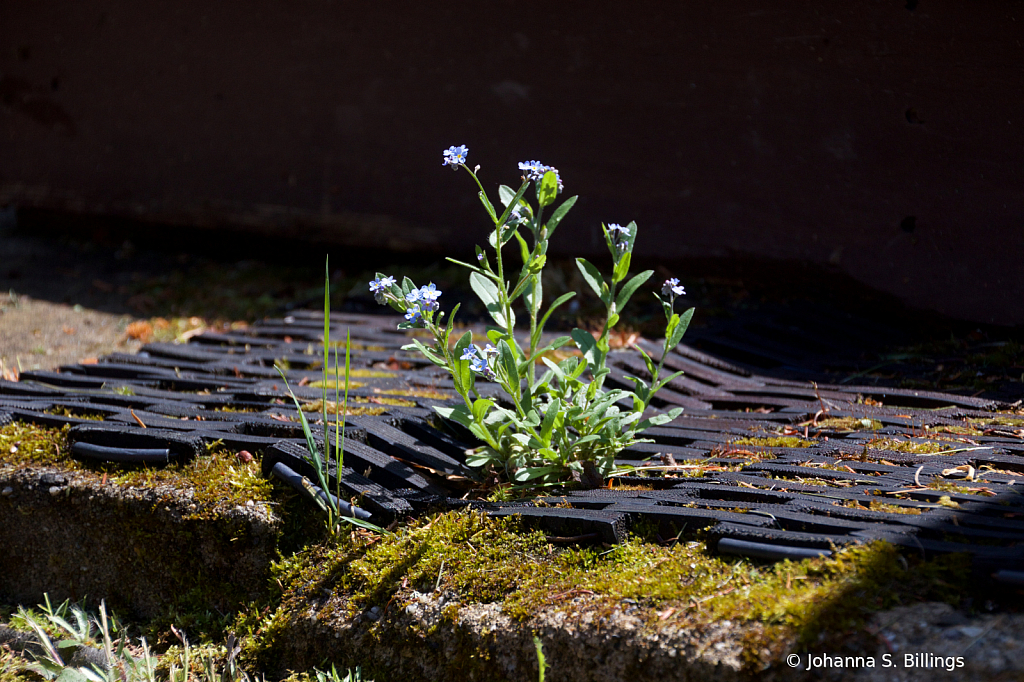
[{"x": 37, "y": 334}]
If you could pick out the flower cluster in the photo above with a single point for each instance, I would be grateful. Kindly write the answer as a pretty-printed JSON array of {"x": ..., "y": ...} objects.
[
  {"x": 479, "y": 360},
  {"x": 381, "y": 287},
  {"x": 619, "y": 235},
  {"x": 535, "y": 170},
  {"x": 545, "y": 427},
  {"x": 672, "y": 288},
  {"x": 415, "y": 303},
  {"x": 455, "y": 156}
]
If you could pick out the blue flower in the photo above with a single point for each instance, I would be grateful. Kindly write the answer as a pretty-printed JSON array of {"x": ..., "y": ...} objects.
[
  {"x": 429, "y": 292},
  {"x": 490, "y": 351},
  {"x": 414, "y": 314},
  {"x": 469, "y": 353},
  {"x": 413, "y": 296},
  {"x": 479, "y": 364},
  {"x": 515, "y": 216},
  {"x": 455, "y": 156},
  {"x": 380, "y": 287},
  {"x": 535, "y": 170},
  {"x": 620, "y": 235},
  {"x": 672, "y": 288}
]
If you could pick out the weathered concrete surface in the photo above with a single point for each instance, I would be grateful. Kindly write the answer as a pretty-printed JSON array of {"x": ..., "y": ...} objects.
[
  {"x": 71, "y": 536},
  {"x": 882, "y": 136},
  {"x": 436, "y": 638}
]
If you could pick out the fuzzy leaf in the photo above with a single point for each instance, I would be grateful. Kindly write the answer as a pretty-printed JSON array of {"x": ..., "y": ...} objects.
[
  {"x": 507, "y": 362},
  {"x": 593, "y": 278},
  {"x": 630, "y": 287},
  {"x": 680, "y": 329},
  {"x": 559, "y": 213},
  {"x": 513, "y": 201},
  {"x": 480, "y": 407},
  {"x": 622, "y": 268},
  {"x": 487, "y": 291},
  {"x": 458, "y": 413},
  {"x": 558, "y": 301},
  {"x": 587, "y": 345},
  {"x": 488, "y": 206},
  {"x": 547, "y": 190}
]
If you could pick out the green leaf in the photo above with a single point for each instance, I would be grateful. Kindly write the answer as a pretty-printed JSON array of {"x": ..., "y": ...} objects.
[
  {"x": 507, "y": 363},
  {"x": 648, "y": 361},
  {"x": 559, "y": 213},
  {"x": 530, "y": 473},
  {"x": 488, "y": 205},
  {"x": 587, "y": 344},
  {"x": 559, "y": 373},
  {"x": 630, "y": 287},
  {"x": 558, "y": 301},
  {"x": 622, "y": 267},
  {"x": 555, "y": 344},
  {"x": 507, "y": 234},
  {"x": 461, "y": 372},
  {"x": 659, "y": 419},
  {"x": 464, "y": 264},
  {"x": 613, "y": 320},
  {"x": 451, "y": 321},
  {"x": 547, "y": 190},
  {"x": 426, "y": 352},
  {"x": 511, "y": 204},
  {"x": 593, "y": 277},
  {"x": 488, "y": 293},
  {"x": 550, "y": 417},
  {"x": 480, "y": 408},
  {"x": 506, "y": 194},
  {"x": 482, "y": 458},
  {"x": 458, "y": 413},
  {"x": 524, "y": 250},
  {"x": 680, "y": 329},
  {"x": 662, "y": 382}
]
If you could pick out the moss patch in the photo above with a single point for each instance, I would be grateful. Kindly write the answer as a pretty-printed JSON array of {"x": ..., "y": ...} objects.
[
  {"x": 483, "y": 560},
  {"x": 848, "y": 424},
  {"x": 217, "y": 480},
  {"x": 909, "y": 446},
  {"x": 773, "y": 442}
]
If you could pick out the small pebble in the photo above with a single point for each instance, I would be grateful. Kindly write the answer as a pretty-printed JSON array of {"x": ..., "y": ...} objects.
[
  {"x": 55, "y": 489},
  {"x": 7, "y": 491}
]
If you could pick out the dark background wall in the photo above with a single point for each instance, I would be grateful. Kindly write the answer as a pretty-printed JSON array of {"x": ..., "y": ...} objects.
[{"x": 884, "y": 137}]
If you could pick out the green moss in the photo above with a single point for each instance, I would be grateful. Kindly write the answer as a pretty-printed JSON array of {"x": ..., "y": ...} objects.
[
  {"x": 218, "y": 480},
  {"x": 883, "y": 507},
  {"x": 77, "y": 413},
  {"x": 334, "y": 408},
  {"x": 997, "y": 421},
  {"x": 26, "y": 444},
  {"x": 848, "y": 424},
  {"x": 485, "y": 560},
  {"x": 909, "y": 446},
  {"x": 417, "y": 393},
  {"x": 774, "y": 442}
]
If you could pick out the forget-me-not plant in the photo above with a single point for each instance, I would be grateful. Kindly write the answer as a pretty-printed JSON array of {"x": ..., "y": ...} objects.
[{"x": 562, "y": 424}]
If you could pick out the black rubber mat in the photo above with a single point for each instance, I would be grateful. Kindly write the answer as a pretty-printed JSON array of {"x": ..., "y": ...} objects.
[{"x": 770, "y": 467}]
